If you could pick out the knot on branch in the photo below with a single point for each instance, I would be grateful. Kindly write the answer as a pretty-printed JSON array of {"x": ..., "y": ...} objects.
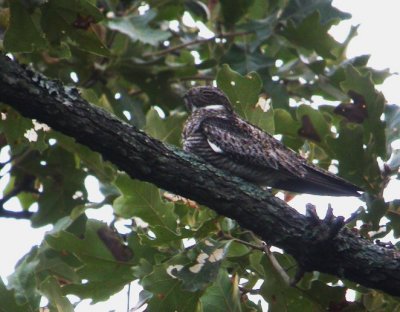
[{"x": 323, "y": 230}]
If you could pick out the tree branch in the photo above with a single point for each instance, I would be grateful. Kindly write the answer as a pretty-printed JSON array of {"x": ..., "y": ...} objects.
[
  {"x": 23, "y": 185},
  {"x": 15, "y": 214},
  {"x": 197, "y": 41},
  {"x": 345, "y": 255}
]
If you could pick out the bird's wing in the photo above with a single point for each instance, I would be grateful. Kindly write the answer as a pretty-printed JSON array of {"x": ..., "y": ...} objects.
[{"x": 249, "y": 145}]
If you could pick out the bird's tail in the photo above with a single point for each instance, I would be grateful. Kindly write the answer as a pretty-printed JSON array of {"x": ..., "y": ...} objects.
[{"x": 320, "y": 183}]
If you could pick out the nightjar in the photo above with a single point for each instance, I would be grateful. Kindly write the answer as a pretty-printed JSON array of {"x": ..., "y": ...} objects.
[{"x": 217, "y": 134}]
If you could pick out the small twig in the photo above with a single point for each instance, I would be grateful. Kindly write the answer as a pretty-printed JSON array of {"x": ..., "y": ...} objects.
[
  {"x": 199, "y": 77},
  {"x": 265, "y": 248},
  {"x": 179, "y": 199},
  {"x": 178, "y": 47},
  {"x": 197, "y": 41},
  {"x": 15, "y": 191},
  {"x": 245, "y": 290},
  {"x": 298, "y": 276},
  {"x": 15, "y": 214},
  {"x": 254, "y": 246},
  {"x": 354, "y": 215},
  {"x": 135, "y": 92},
  {"x": 243, "y": 242},
  {"x": 16, "y": 159},
  {"x": 276, "y": 265},
  {"x": 128, "y": 299},
  {"x": 24, "y": 185}
]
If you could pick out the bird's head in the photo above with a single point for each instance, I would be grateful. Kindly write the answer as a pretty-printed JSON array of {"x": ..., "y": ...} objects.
[{"x": 207, "y": 97}]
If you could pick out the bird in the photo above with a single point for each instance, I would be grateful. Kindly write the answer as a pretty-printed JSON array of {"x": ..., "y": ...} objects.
[{"x": 214, "y": 132}]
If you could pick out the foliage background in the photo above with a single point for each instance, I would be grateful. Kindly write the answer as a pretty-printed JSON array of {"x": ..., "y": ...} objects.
[{"x": 135, "y": 59}]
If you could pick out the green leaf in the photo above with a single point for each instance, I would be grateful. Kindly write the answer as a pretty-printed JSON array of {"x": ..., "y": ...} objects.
[
  {"x": 90, "y": 260},
  {"x": 237, "y": 250},
  {"x": 350, "y": 164},
  {"x": 312, "y": 35},
  {"x": 137, "y": 28},
  {"x": 63, "y": 186},
  {"x": 14, "y": 127},
  {"x": 203, "y": 268},
  {"x": 243, "y": 92},
  {"x": 142, "y": 251},
  {"x": 166, "y": 129},
  {"x": 22, "y": 34},
  {"x": 26, "y": 199},
  {"x": 143, "y": 200},
  {"x": 300, "y": 9},
  {"x": 318, "y": 122},
  {"x": 144, "y": 296},
  {"x": 222, "y": 295},
  {"x": 326, "y": 295},
  {"x": 243, "y": 61},
  {"x": 91, "y": 96},
  {"x": 233, "y": 10},
  {"x": 377, "y": 208},
  {"x": 84, "y": 8},
  {"x": 23, "y": 281},
  {"x": 278, "y": 92},
  {"x": 167, "y": 292},
  {"x": 53, "y": 263},
  {"x": 172, "y": 10},
  {"x": 163, "y": 236},
  {"x": 51, "y": 289},
  {"x": 94, "y": 247},
  {"x": 87, "y": 40},
  {"x": 259, "y": 9},
  {"x": 8, "y": 301},
  {"x": 263, "y": 29},
  {"x": 374, "y": 301},
  {"x": 103, "y": 170},
  {"x": 183, "y": 65},
  {"x": 285, "y": 124},
  {"x": 102, "y": 289},
  {"x": 279, "y": 295},
  {"x": 134, "y": 106},
  {"x": 363, "y": 85},
  {"x": 59, "y": 18},
  {"x": 96, "y": 254}
]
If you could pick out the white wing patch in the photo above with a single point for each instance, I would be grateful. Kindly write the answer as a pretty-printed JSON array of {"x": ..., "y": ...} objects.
[
  {"x": 214, "y": 107},
  {"x": 215, "y": 147},
  {"x": 196, "y": 268}
]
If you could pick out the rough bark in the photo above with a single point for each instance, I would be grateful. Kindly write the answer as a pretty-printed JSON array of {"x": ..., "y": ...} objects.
[{"x": 316, "y": 245}]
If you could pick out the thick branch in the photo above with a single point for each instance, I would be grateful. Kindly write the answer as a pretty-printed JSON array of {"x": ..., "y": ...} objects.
[{"x": 345, "y": 255}]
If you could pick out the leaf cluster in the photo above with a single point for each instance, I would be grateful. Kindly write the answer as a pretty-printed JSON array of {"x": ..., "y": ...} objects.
[{"x": 274, "y": 59}]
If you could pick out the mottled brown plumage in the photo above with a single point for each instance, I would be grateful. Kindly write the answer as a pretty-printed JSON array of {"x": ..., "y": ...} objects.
[{"x": 218, "y": 135}]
